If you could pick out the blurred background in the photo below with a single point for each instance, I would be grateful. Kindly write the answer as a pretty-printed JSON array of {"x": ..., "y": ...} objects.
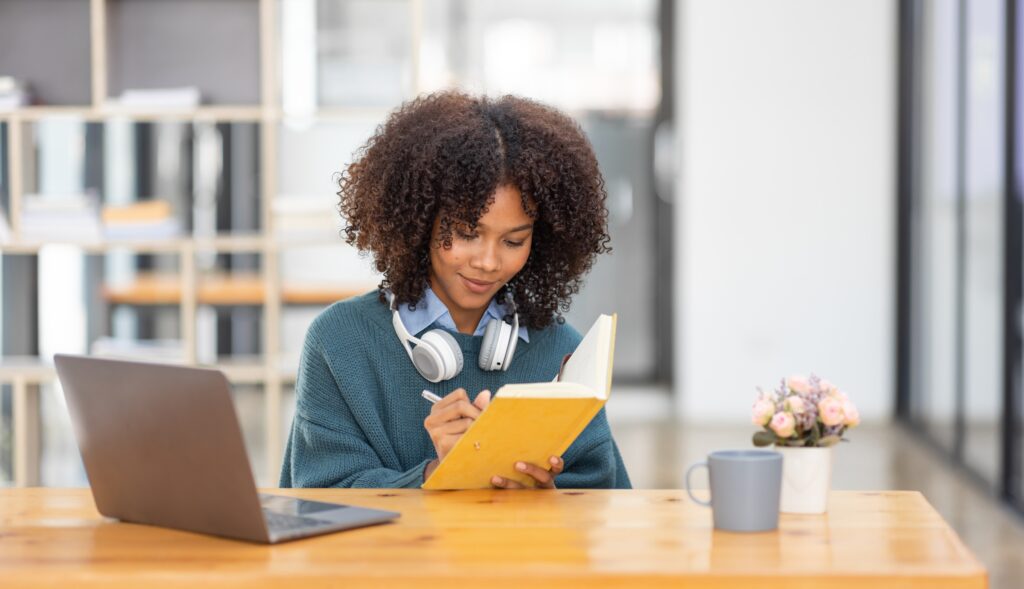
[{"x": 794, "y": 186}]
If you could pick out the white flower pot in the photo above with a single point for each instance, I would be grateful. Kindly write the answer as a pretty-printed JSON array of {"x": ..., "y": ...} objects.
[{"x": 806, "y": 479}]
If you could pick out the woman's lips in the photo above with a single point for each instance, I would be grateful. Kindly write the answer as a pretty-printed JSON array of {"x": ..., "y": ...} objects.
[{"x": 476, "y": 287}]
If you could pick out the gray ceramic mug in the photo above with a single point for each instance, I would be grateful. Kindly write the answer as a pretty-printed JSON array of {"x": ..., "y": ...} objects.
[{"x": 745, "y": 489}]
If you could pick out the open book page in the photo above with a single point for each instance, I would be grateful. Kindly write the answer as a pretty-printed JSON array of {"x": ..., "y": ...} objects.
[
  {"x": 547, "y": 389},
  {"x": 591, "y": 363},
  {"x": 588, "y": 373}
]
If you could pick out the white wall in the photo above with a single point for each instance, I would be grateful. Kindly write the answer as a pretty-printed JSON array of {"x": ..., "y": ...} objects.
[{"x": 786, "y": 205}]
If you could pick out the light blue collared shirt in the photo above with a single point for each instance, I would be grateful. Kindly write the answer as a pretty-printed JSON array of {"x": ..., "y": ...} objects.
[{"x": 430, "y": 310}]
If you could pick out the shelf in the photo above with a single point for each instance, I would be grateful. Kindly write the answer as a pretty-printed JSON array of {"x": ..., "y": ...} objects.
[
  {"x": 30, "y": 368},
  {"x": 242, "y": 113},
  {"x": 225, "y": 113},
  {"x": 244, "y": 370},
  {"x": 95, "y": 247},
  {"x": 238, "y": 289},
  {"x": 224, "y": 243},
  {"x": 246, "y": 242}
]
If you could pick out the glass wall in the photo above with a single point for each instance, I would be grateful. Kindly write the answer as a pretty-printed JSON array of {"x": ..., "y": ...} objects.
[
  {"x": 983, "y": 181},
  {"x": 960, "y": 302},
  {"x": 935, "y": 274}
]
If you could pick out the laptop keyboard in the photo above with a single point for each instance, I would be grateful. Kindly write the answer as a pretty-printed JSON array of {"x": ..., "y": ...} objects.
[{"x": 279, "y": 522}]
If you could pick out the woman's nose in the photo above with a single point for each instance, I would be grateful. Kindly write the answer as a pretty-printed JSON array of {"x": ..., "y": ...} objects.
[{"x": 485, "y": 258}]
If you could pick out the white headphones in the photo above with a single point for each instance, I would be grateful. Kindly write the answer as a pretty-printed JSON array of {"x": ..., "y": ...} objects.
[{"x": 437, "y": 355}]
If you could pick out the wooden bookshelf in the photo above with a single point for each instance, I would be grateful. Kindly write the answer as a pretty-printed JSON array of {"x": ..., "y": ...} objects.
[
  {"x": 35, "y": 371},
  {"x": 110, "y": 110},
  {"x": 238, "y": 289},
  {"x": 122, "y": 44},
  {"x": 239, "y": 243}
]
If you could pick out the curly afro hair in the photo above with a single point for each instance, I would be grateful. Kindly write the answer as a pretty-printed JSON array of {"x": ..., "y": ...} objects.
[{"x": 443, "y": 156}]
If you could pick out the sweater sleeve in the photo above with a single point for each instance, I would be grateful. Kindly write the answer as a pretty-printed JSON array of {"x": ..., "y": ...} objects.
[
  {"x": 326, "y": 447},
  {"x": 593, "y": 461}
]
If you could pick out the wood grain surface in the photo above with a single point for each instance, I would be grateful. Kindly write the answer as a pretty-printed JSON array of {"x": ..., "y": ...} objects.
[{"x": 493, "y": 538}]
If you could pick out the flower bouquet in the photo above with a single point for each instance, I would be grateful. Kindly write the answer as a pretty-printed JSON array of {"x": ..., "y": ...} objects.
[
  {"x": 804, "y": 418},
  {"x": 803, "y": 412}
]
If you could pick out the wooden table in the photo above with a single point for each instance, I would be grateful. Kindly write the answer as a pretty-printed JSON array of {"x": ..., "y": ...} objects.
[{"x": 485, "y": 539}]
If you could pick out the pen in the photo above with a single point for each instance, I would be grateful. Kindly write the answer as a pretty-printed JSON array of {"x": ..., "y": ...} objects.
[{"x": 430, "y": 396}]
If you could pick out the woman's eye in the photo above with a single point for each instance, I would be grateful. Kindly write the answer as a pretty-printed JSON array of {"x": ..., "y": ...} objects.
[
  {"x": 515, "y": 243},
  {"x": 464, "y": 235}
]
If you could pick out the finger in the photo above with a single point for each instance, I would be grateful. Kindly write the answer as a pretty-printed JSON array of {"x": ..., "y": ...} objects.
[
  {"x": 456, "y": 427},
  {"x": 452, "y": 397},
  {"x": 541, "y": 475},
  {"x": 460, "y": 409},
  {"x": 482, "y": 400},
  {"x": 454, "y": 411},
  {"x": 503, "y": 483},
  {"x": 557, "y": 465}
]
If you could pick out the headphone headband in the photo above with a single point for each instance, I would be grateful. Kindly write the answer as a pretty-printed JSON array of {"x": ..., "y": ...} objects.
[{"x": 437, "y": 355}]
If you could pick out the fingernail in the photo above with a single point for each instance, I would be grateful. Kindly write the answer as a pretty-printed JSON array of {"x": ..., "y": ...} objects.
[
  {"x": 520, "y": 466},
  {"x": 554, "y": 461},
  {"x": 496, "y": 480}
]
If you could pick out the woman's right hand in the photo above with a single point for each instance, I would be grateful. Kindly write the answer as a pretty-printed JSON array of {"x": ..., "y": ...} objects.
[{"x": 450, "y": 418}]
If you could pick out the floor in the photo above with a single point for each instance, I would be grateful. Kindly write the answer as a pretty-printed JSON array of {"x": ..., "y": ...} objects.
[{"x": 656, "y": 452}]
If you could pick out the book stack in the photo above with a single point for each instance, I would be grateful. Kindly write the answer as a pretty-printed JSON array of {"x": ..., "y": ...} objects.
[
  {"x": 151, "y": 219},
  {"x": 305, "y": 218},
  {"x": 64, "y": 217},
  {"x": 13, "y": 93},
  {"x": 156, "y": 350},
  {"x": 161, "y": 98}
]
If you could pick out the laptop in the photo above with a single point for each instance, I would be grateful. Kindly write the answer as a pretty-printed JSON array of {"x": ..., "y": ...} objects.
[{"x": 162, "y": 446}]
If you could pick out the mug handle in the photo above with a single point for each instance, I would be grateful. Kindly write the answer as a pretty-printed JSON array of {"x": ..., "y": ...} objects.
[{"x": 689, "y": 492}]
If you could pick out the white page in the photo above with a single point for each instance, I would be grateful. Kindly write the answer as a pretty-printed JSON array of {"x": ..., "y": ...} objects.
[
  {"x": 589, "y": 364},
  {"x": 546, "y": 390}
]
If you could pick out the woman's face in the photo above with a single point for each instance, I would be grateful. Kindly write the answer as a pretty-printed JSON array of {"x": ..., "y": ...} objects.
[{"x": 469, "y": 274}]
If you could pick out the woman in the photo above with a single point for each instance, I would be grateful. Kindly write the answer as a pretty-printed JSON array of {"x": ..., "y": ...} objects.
[{"x": 475, "y": 210}]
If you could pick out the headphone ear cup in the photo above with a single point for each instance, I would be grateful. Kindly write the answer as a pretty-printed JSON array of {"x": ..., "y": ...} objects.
[
  {"x": 447, "y": 350},
  {"x": 428, "y": 362},
  {"x": 487, "y": 347}
]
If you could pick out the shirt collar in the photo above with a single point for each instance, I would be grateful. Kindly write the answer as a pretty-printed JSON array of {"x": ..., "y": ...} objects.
[{"x": 430, "y": 310}]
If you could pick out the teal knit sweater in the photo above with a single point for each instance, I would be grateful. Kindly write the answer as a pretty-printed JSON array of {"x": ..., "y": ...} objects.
[{"x": 359, "y": 415}]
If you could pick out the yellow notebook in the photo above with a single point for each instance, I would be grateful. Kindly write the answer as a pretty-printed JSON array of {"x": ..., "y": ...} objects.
[{"x": 531, "y": 422}]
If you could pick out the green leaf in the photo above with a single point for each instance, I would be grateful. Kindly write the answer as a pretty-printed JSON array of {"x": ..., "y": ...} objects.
[
  {"x": 764, "y": 438},
  {"x": 815, "y": 434},
  {"x": 829, "y": 441}
]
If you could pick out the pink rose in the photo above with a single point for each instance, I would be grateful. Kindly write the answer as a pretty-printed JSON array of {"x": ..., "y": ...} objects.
[
  {"x": 798, "y": 384},
  {"x": 783, "y": 424},
  {"x": 795, "y": 404},
  {"x": 830, "y": 411},
  {"x": 762, "y": 411},
  {"x": 831, "y": 390},
  {"x": 851, "y": 417}
]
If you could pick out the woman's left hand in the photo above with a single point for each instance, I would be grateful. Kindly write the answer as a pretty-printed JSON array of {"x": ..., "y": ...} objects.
[{"x": 545, "y": 478}]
